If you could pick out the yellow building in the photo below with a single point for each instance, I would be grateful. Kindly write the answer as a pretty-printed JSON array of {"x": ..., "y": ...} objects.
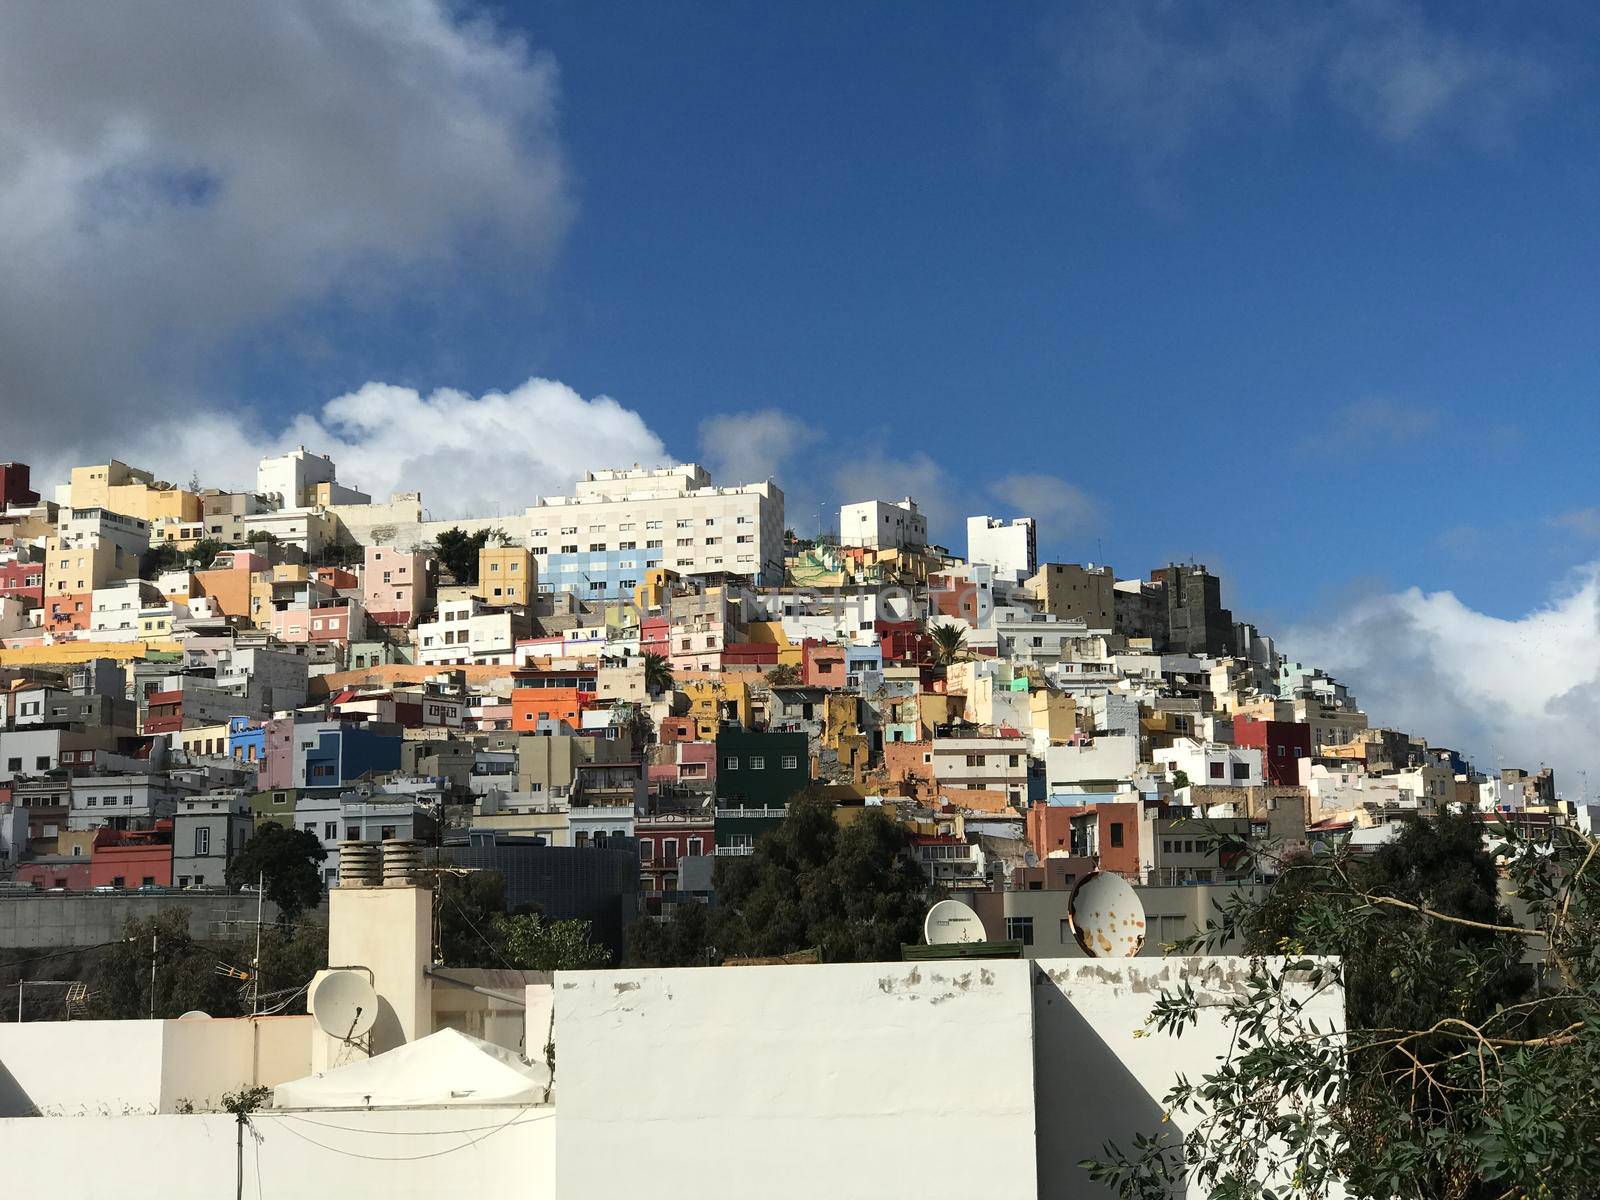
[
  {"x": 712, "y": 701},
  {"x": 507, "y": 575},
  {"x": 205, "y": 741},
  {"x": 119, "y": 488},
  {"x": 653, "y": 594},
  {"x": 771, "y": 633},
  {"x": 79, "y": 569},
  {"x": 1055, "y": 714}
]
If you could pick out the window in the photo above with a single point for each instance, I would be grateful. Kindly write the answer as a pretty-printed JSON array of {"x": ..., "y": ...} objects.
[
  {"x": 1116, "y": 833},
  {"x": 388, "y": 833},
  {"x": 202, "y": 840},
  {"x": 653, "y": 545},
  {"x": 741, "y": 520},
  {"x": 570, "y": 548},
  {"x": 1241, "y": 770},
  {"x": 1020, "y": 929},
  {"x": 42, "y": 762},
  {"x": 1216, "y": 770},
  {"x": 697, "y": 846},
  {"x": 731, "y": 763},
  {"x": 685, "y": 541},
  {"x": 647, "y": 850},
  {"x": 685, "y": 523},
  {"x": 652, "y": 524},
  {"x": 758, "y": 763},
  {"x": 330, "y": 830},
  {"x": 744, "y": 537},
  {"x": 597, "y": 547},
  {"x": 789, "y": 762}
]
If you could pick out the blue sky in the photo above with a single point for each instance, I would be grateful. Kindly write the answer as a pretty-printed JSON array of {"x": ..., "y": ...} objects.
[
  {"x": 1275, "y": 337},
  {"x": 1306, "y": 293}
]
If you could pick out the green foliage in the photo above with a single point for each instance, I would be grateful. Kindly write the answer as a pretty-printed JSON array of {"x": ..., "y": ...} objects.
[
  {"x": 476, "y": 931},
  {"x": 342, "y": 554},
  {"x": 162, "y": 557},
  {"x": 1461, "y": 1074},
  {"x": 204, "y": 552},
  {"x": 657, "y": 674},
  {"x": 1180, "y": 780},
  {"x": 458, "y": 550},
  {"x": 531, "y": 943},
  {"x": 288, "y": 861},
  {"x": 185, "y": 974},
  {"x": 680, "y": 939},
  {"x": 949, "y": 642},
  {"x": 849, "y": 890}
]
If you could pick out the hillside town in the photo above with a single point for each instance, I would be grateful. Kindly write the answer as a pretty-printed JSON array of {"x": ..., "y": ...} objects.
[{"x": 605, "y": 693}]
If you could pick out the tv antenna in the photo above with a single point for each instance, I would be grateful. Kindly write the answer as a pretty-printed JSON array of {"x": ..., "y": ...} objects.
[
  {"x": 949, "y": 922},
  {"x": 344, "y": 1005},
  {"x": 1107, "y": 917}
]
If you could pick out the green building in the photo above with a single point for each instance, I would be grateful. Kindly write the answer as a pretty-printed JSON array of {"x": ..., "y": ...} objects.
[{"x": 757, "y": 773}]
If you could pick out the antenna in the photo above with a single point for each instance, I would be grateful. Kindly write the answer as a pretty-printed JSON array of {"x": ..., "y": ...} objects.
[
  {"x": 1107, "y": 917},
  {"x": 344, "y": 1005},
  {"x": 951, "y": 921}
]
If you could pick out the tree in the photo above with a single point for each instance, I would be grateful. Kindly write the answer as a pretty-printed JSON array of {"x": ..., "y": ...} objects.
[
  {"x": 681, "y": 939},
  {"x": 1461, "y": 1073},
  {"x": 162, "y": 557},
  {"x": 185, "y": 976},
  {"x": 784, "y": 675},
  {"x": 475, "y": 930},
  {"x": 261, "y": 536},
  {"x": 343, "y": 554},
  {"x": 458, "y": 551},
  {"x": 288, "y": 861},
  {"x": 532, "y": 943},
  {"x": 850, "y": 891},
  {"x": 467, "y": 904},
  {"x": 204, "y": 552},
  {"x": 657, "y": 674},
  {"x": 949, "y": 642}
]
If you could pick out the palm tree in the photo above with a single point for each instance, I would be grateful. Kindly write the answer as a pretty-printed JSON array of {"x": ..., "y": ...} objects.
[
  {"x": 657, "y": 674},
  {"x": 949, "y": 642}
]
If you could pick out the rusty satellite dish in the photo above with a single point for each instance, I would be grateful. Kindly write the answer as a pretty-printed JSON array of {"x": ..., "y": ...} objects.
[
  {"x": 1107, "y": 917},
  {"x": 951, "y": 921}
]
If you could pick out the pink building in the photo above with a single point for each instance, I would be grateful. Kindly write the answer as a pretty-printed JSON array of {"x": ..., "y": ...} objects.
[
  {"x": 396, "y": 582},
  {"x": 325, "y": 621}
]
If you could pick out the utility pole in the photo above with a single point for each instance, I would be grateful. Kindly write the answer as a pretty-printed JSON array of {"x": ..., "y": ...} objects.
[{"x": 255, "y": 965}]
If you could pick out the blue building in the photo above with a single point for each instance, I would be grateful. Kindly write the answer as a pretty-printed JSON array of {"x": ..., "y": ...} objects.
[{"x": 247, "y": 740}]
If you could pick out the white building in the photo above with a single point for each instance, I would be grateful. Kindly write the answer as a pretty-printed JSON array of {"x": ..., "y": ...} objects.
[
  {"x": 116, "y": 608},
  {"x": 1090, "y": 765},
  {"x": 467, "y": 631},
  {"x": 986, "y": 764},
  {"x": 301, "y": 479},
  {"x": 619, "y": 524},
  {"x": 1212, "y": 763},
  {"x": 883, "y": 524},
  {"x": 1010, "y": 547}
]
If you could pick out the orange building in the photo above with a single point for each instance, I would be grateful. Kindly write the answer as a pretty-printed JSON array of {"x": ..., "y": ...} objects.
[
  {"x": 554, "y": 695},
  {"x": 128, "y": 858}
]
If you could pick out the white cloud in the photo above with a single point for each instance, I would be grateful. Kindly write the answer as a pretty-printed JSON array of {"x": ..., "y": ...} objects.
[
  {"x": 1061, "y": 509},
  {"x": 1155, "y": 76},
  {"x": 180, "y": 174},
  {"x": 1378, "y": 422},
  {"x": 1522, "y": 692},
  {"x": 873, "y": 475},
  {"x": 467, "y": 455},
  {"x": 750, "y": 447},
  {"x": 1581, "y": 522}
]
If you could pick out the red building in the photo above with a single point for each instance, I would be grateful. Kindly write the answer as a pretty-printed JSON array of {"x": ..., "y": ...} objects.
[
  {"x": 24, "y": 579},
  {"x": 904, "y": 642},
  {"x": 14, "y": 486},
  {"x": 130, "y": 858},
  {"x": 655, "y": 636},
  {"x": 1282, "y": 744},
  {"x": 163, "y": 713},
  {"x": 823, "y": 665},
  {"x": 664, "y": 838},
  {"x": 675, "y": 729},
  {"x": 760, "y": 655},
  {"x": 69, "y": 874}
]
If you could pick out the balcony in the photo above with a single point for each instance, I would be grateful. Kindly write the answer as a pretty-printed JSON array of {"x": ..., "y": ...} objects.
[
  {"x": 734, "y": 851},
  {"x": 736, "y": 813}
]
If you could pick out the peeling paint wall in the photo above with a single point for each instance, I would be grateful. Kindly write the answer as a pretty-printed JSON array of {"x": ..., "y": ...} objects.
[{"x": 874, "y": 1079}]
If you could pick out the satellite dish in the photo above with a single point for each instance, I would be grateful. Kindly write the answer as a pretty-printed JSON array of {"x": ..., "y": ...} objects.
[
  {"x": 951, "y": 921},
  {"x": 344, "y": 1005},
  {"x": 194, "y": 1014},
  {"x": 1107, "y": 917}
]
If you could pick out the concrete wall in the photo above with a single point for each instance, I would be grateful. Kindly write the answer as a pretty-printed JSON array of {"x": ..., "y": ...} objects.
[
  {"x": 1097, "y": 1080},
  {"x": 883, "y": 1079},
  {"x": 79, "y": 1068},
  {"x": 389, "y": 1154},
  {"x": 92, "y": 919}
]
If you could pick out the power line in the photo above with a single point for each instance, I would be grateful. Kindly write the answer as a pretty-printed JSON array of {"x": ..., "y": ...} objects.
[
  {"x": 414, "y": 1157},
  {"x": 21, "y": 962}
]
